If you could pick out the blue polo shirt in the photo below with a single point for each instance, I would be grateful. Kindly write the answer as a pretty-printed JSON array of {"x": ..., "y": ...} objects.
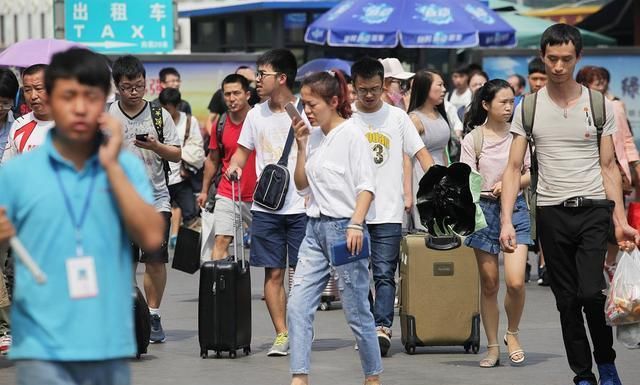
[{"x": 47, "y": 324}]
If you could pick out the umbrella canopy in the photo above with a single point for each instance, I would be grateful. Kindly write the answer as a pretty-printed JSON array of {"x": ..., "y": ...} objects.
[
  {"x": 615, "y": 19},
  {"x": 411, "y": 23},
  {"x": 318, "y": 65},
  {"x": 34, "y": 51}
]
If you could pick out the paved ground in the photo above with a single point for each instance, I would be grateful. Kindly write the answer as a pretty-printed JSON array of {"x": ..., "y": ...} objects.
[{"x": 334, "y": 360}]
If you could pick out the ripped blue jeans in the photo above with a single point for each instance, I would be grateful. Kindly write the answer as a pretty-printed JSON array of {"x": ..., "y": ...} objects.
[{"x": 311, "y": 276}]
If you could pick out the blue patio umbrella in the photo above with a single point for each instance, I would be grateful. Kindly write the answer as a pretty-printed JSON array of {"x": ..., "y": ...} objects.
[
  {"x": 318, "y": 65},
  {"x": 412, "y": 24}
]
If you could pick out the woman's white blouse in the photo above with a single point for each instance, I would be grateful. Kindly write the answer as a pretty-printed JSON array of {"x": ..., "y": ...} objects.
[{"x": 339, "y": 167}]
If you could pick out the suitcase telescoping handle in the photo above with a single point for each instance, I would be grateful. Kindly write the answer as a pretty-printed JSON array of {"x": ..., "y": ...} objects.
[
  {"x": 237, "y": 216},
  {"x": 447, "y": 242}
]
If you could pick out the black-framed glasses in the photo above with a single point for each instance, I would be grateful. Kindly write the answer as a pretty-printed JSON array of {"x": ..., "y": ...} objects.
[
  {"x": 362, "y": 92},
  {"x": 129, "y": 89},
  {"x": 261, "y": 74}
]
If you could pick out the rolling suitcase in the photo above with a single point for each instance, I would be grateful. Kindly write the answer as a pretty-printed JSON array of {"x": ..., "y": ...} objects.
[
  {"x": 439, "y": 293},
  {"x": 330, "y": 294},
  {"x": 142, "y": 322},
  {"x": 224, "y": 304}
]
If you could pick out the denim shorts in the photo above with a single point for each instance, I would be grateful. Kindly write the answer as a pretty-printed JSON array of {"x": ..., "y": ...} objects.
[
  {"x": 488, "y": 239},
  {"x": 276, "y": 238}
]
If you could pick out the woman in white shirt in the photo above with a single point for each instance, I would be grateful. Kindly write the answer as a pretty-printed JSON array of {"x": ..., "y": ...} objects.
[{"x": 335, "y": 169}]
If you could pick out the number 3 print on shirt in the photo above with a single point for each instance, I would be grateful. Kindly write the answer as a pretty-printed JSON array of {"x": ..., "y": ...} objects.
[{"x": 380, "y": 144}]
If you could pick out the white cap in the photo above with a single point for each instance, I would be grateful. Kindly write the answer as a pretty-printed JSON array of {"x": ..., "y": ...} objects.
[{"x": 393, "y": 69}]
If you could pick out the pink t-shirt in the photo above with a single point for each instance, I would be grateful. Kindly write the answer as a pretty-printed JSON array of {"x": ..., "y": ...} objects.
[{"x": 493, "y": 158}]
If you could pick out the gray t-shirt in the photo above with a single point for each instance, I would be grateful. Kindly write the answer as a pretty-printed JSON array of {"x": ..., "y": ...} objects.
[
  {"x": 566, "y": 148},
  {"x": 142, "y": 124}
]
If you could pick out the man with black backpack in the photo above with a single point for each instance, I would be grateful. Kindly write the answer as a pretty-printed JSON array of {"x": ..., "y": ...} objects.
[
  {"x": 575, "y": 194},
  {"x": 149, "y": 132},
  {"x": 222, "y": 145}
]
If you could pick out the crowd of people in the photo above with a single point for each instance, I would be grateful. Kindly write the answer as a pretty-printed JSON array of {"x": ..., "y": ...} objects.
[{"x": 83, "y": 161}]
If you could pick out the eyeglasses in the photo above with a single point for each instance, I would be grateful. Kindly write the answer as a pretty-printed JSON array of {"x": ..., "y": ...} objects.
[
  {"x": 261, "y": 74},
  {"x": 6, "y": 106},
  {"x": 129, "y": 89},
  {"x": 362, "y": 92}
]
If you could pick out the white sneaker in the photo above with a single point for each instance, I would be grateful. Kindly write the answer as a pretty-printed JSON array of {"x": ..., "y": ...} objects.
[{"x": 5, "y": 344}]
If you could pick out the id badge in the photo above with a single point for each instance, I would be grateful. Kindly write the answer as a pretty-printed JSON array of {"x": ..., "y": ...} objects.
[{"x": 81, "y": 275}]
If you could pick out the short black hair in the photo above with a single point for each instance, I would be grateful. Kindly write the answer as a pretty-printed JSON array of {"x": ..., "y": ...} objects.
[
  {"x": 462, "y": 69},
  {"x": 559, "y": 34},
  {"x": 367, "y": 68},
  {"x": 166, "y": 71},
  {"x": 522, "y": 82},
  {"x": 8, "y": 84},
  {"x": 34, "y": 69},
  {"x": 283, "y": 61},
  {"x": 474, "y": 67},
  {"x": 170, "y": 96},
  {"x": 537, "y": 66},
  {"x": 81, "y": 64},
  {"x": 242, "y": 67},
  {"x": 235, "y": 78},
  {"x": 127, "y": 66}
]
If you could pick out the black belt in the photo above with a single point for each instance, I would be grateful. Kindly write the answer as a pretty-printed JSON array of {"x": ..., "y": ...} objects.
[{"x": 584, "y": 202}]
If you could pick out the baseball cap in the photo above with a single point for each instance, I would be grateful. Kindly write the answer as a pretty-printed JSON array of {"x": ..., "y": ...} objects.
[{"x": 393, "y": 69}]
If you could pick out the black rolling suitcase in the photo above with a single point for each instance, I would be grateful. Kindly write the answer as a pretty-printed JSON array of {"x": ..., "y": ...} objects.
[
  {"x": 224, "y": 305},
  {"x": 142, "y": 322}
]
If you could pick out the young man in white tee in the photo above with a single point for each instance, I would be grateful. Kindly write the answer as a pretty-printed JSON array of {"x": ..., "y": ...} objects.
[
  {"x": 391, "y": 135},
  {"x": 579, "y": 191},
  {"x": 275, "y": 235},
  {"x": 460, "y": 95},
  {"x": 29, "y": 131},
  {"x": 142, "y": 125}
]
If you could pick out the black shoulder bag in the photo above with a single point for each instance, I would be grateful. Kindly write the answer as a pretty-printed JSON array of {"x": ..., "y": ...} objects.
[{"x": 273, "y": 184}]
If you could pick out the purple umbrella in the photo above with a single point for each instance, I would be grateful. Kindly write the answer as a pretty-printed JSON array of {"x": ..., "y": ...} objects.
[{"x": 34, "y": 51}]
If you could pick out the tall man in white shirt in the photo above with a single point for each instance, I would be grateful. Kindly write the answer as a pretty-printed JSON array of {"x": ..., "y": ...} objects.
[
  {"x": 391, "y": 135},
  {"x": 275, "y": 235},
  {"x": 29, "y": 131},
  {"x": 143, "y": 125}
]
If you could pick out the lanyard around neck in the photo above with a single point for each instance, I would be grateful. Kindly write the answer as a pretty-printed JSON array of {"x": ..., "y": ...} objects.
[{"x": 76, "y": 221}]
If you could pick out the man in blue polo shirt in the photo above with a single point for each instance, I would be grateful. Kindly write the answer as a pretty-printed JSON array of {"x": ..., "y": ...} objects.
[{"x": 75, "y": 202}]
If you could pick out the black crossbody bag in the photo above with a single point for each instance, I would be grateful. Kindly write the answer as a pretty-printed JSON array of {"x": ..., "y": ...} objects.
[{"x": 273, "y": 184}]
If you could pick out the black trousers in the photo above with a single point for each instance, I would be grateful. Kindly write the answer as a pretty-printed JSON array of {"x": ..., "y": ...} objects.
[
  {"x": 574, "y": 241},
  {"x": 182, "y": 195}
]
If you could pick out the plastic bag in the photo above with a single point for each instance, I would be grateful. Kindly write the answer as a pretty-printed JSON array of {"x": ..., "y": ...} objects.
[
  {"x": 629, "y": 335},
  {"x": 623, "y": 300}
]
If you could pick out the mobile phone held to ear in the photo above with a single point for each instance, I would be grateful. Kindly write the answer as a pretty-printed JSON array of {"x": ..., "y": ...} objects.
[
  {"x": 292, "y": 111},
  {"x": 142, "y": 137},
  {"x": 101, "y": 138}
]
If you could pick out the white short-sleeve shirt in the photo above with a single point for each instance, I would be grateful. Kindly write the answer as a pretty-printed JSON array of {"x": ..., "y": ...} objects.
[
  {"x": 339, "y": 167},
  {"x": 391, "y": 134}
]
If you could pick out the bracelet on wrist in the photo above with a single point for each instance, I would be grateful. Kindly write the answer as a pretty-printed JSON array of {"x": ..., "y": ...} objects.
[{"x": 355, "y": 227}]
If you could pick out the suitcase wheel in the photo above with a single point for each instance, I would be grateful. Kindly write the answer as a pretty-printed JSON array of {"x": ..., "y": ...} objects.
[
  {"x": 246, "y": 351},
  {"x": 138, "y": 355},
  {"x": 232, "y": 354},
  {"x": 204, "y": 354},
  {"x": 410, "y": 349},
  {"x": 476, "y": 348},
  {"x": 218, "y": 354},
  {"x": 324, "y": 306}
]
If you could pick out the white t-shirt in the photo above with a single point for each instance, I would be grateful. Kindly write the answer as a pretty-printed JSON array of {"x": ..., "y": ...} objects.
[
  {"x": 153, "y": 163},
  {"x": 461, "y": 100},
  {"x": 26, "y": 133},
  {"x": 181, "y": 128},
  {"x": 338, "y": 168},
  {"x": 266, "y": 132},
  {"x": 566, "y": 148},
  {"x": 390, "y": 134}
]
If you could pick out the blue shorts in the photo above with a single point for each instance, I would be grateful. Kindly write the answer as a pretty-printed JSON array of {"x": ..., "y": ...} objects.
[
  {"x": 488, "y": 239},
  {"x": 275, "y": 237}
]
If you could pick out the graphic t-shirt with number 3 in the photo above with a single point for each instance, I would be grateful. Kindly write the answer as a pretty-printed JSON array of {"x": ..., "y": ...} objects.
[{"x": 390, "y": 134}]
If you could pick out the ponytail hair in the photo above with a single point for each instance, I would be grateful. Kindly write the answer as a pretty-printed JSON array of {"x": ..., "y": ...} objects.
[
  {"x": 477, "y": 115},
  {"x": 328, "y": 84}
]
